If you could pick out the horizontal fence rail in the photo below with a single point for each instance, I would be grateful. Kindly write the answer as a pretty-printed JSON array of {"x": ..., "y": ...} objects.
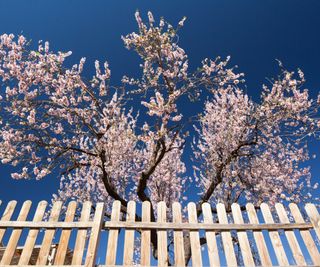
[
  {"x": 155, "y": 226},
  {"x": 81, "y": 235}
]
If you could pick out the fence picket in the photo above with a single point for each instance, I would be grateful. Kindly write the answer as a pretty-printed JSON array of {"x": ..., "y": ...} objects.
[
  {"x": 145, "y": 235},
  {"x": 226, "y": 237},
  {"x": 162, "y": 235},
  {"x": 15, "y": 235},
  {"x": 210, "y": 236},
  {"x": 258, "y": 237},
  {"x": 160, "y": 227},
  {"x": 81, "y": 235},
  {"x": 274, "y": 236},
  {"x": 129, "y": 235},
  {"x": 305, "y": 234},
  {"x": 6, "y": 216},
  {"x": 113, "y": 235},
  {"x": 314, "y": 217},
  {"x": 95, "y": 235},
  {"x": 179, "y": 259},
  {"x": 49, "y": 234},
  {"x": 292, "y": 240},
  {"x": 194, "y": 236},
  {"x": 32, "y": 235},
  {"x": 243, "y": 238},
  {"x": 65, "y": 235}
]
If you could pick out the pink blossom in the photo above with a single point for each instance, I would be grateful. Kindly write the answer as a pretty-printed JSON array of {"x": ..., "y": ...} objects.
[{"x": 128, "y": 142}]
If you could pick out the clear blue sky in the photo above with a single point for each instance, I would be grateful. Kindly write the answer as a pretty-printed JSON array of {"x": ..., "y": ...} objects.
[{"x": 253, "y": 32}]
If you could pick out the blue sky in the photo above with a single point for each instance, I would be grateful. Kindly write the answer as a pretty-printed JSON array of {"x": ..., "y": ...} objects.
[{"x": 254, "y": 33}]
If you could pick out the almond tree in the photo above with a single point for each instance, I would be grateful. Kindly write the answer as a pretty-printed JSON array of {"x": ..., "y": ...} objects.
[{"x": 53, "y": 120}]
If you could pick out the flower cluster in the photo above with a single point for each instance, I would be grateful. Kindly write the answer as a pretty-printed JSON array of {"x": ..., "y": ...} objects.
[
  {"x": 255, "y": 152},
  {"x": 52, "y": 119}
]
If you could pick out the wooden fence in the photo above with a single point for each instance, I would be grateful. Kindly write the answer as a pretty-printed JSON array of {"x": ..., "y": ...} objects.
[{"x": 242, "y": 236}]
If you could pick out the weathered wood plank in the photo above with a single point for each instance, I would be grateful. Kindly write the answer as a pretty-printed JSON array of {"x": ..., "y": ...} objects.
[
  {"x": 258, "y": 237},
  {"x": 306, "y": 235},
  {"x": 145, "y": 235},
  {"x": 101, "y": 265},
  {"x": 65, "y": 235},
  {"x": 15, "y": 235},
  {"x": 156, "y": 225},
  {"x": 129, "y": 235},
  {"x": 81, "y": 235},
  {"x": 162, "y": 226},
  {"x": 32, "y": 235},
  {"x": 51, "y": 265},
  {"x": 314, "y": 217},
  {"x": 52, "y": 225},
  {"x": 95, "y": 235},
  {"x": 210, "y": 236},
  {"x": 6, "y": 216},
  {"x": 179, "y": 259},
  {"x": 194, "y": 236},
  {"x": 204, "y": 226},
  {"x": 242, "y": 236},
  {"x": 292, "y": 240},
  {"x": 226, "y": 237},
  {"x": 49, "y": 234},
  {"x": 274, "y": 236},
  {"x": 162, "y": 235},
  {"x": 113, "y": 235}
]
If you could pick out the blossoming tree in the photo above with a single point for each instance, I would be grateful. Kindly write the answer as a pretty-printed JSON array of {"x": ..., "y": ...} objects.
[{"x": 53, "y": 119}]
